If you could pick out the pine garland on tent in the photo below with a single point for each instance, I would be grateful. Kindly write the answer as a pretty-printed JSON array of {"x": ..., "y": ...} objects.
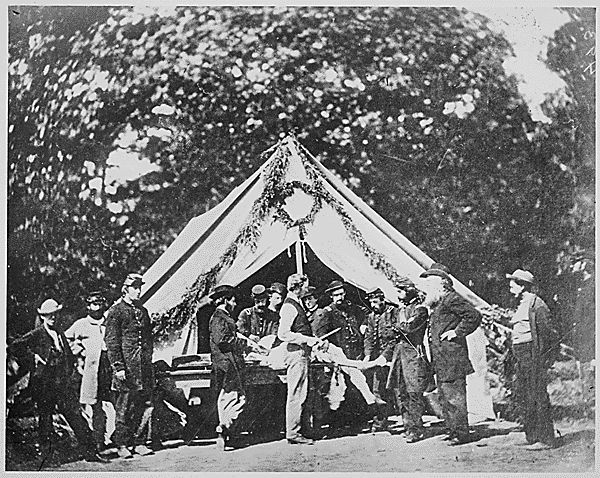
[{"x": 273, "y": 196}]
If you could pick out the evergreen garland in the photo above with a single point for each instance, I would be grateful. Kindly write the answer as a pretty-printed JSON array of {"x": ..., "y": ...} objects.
[{"x": 274, "y": 194}]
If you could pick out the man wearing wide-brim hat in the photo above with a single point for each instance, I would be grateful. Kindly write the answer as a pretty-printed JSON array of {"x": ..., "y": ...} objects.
[
  {"x": 48, "y": 308},
  {"x": 451, "y": 319},
  {"x": 130, "y": 347},
  {"x": 535, "y": 346},
  {"x": 228, "y": 364},
  {"x": 53, "y": 386}
]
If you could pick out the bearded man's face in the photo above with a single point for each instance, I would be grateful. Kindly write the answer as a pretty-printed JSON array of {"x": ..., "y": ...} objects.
[{"x": 434, "y": 288}]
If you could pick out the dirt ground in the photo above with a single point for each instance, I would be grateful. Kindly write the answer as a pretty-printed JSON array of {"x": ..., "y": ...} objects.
[{"x": 498, "y": 449}]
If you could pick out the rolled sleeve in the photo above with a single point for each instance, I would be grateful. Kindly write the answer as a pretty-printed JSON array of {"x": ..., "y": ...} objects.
[{"x": 287, "y": 315}]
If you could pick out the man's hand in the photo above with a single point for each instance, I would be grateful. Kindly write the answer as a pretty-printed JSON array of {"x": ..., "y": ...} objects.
[
  {"x": 322, "y": 345},
  {"x": 120, "y": 375},
  {"x": 448, "y": 335},
  {"x": 363, "y": 329},
  {"x": 381, "y": 361},
  {"x": 312, "y": 341}
]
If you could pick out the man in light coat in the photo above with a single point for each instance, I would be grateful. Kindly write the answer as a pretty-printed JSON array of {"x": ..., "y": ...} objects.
[{"x": 86, "y": 338}]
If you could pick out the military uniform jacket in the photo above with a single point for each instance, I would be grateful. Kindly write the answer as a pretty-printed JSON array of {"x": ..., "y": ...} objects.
[
  {"x": 451, "y": 357},
  {"x": 381, "y": 336},
  {"x": 409, "y": 354},
  {"x": 130, "y": 345},
  {"x": 250, "y": 322},
  {"x": 226, "y": 352},
  {"x": 57, "y": 371},
  {"x": 349, "y": 318}
]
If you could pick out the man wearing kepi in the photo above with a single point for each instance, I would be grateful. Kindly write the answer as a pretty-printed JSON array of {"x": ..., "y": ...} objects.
[
  {"x": 258, "y": 321},
  {"x": 342, "y": 314},
  {"x": 380, "y": 340},
  {"x": 86, "y": 337},
  {"x": 295, "y": 331},
  {"x": 409, "y": 363},
  {"x": 451, "y": 319},
  {"x": 130, "y": 346}
]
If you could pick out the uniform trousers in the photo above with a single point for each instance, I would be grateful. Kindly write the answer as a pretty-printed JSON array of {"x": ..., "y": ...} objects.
[{"x": 129, "y": 407}]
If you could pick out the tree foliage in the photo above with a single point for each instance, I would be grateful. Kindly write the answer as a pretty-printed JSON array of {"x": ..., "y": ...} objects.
[{"x": 411, "y": 106}]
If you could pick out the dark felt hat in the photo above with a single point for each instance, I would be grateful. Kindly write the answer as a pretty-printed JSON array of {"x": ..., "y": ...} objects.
[
  {"x": 221, "y": 290},
  {"x": 335, "y": 285},
  {"x": 439, "y": 270}
]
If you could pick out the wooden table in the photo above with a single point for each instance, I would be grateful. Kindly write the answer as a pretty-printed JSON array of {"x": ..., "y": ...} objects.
[{"x": 266, "y": 392}]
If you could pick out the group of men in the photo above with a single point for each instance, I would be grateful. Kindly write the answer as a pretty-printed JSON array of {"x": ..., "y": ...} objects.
[
  {"x": 380, "y": 350},
  {"x": 112, "y": 350}
]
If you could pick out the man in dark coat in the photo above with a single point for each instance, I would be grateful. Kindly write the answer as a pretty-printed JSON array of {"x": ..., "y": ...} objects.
[
  {"x": 228, "y": 364},
  {"x": 52, "y": 384},
  {"x": 451, "y": 319},
  {"x": 380, "y": 340},
  {"x": 343, "y": 314},
  {"x": 409, "y": 364},
  {"x": 534, "y": 346},
  {"x": 258, "y": 321},
  {"x": 130, "y": 345}
]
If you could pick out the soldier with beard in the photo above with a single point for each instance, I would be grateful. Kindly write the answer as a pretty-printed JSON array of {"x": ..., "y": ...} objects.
[
  {"x": 86, "y": 337},
  {"x": 227, "y": 363},
  {"x": 343, "y": 314},
  {"x": 258, "y": 321},
  {"x": 380, "y": 340},
  {"x": 409, "y": 364},
  {"x": 452, "y": 318}
]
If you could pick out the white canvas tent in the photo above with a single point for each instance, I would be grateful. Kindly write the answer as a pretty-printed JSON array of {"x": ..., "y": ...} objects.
[{"x": 345, "y": 234}]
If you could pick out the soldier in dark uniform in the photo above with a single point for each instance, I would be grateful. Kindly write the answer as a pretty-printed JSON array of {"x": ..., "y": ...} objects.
[
  {"x": 258, "y": 321},
  {"x": 409, "y": 365},
  {"x": 228, "y": 364},
  {"x": 452, "y": 318},
  {"x": 52, "y": 384},
  {"x": 344, "y": 314},
  {"x": 130, "y": 346},
  {"x": 380, "y": 340}
]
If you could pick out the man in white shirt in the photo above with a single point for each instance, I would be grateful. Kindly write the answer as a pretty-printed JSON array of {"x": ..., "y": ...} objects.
[{"x": 295, "y": 331}]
